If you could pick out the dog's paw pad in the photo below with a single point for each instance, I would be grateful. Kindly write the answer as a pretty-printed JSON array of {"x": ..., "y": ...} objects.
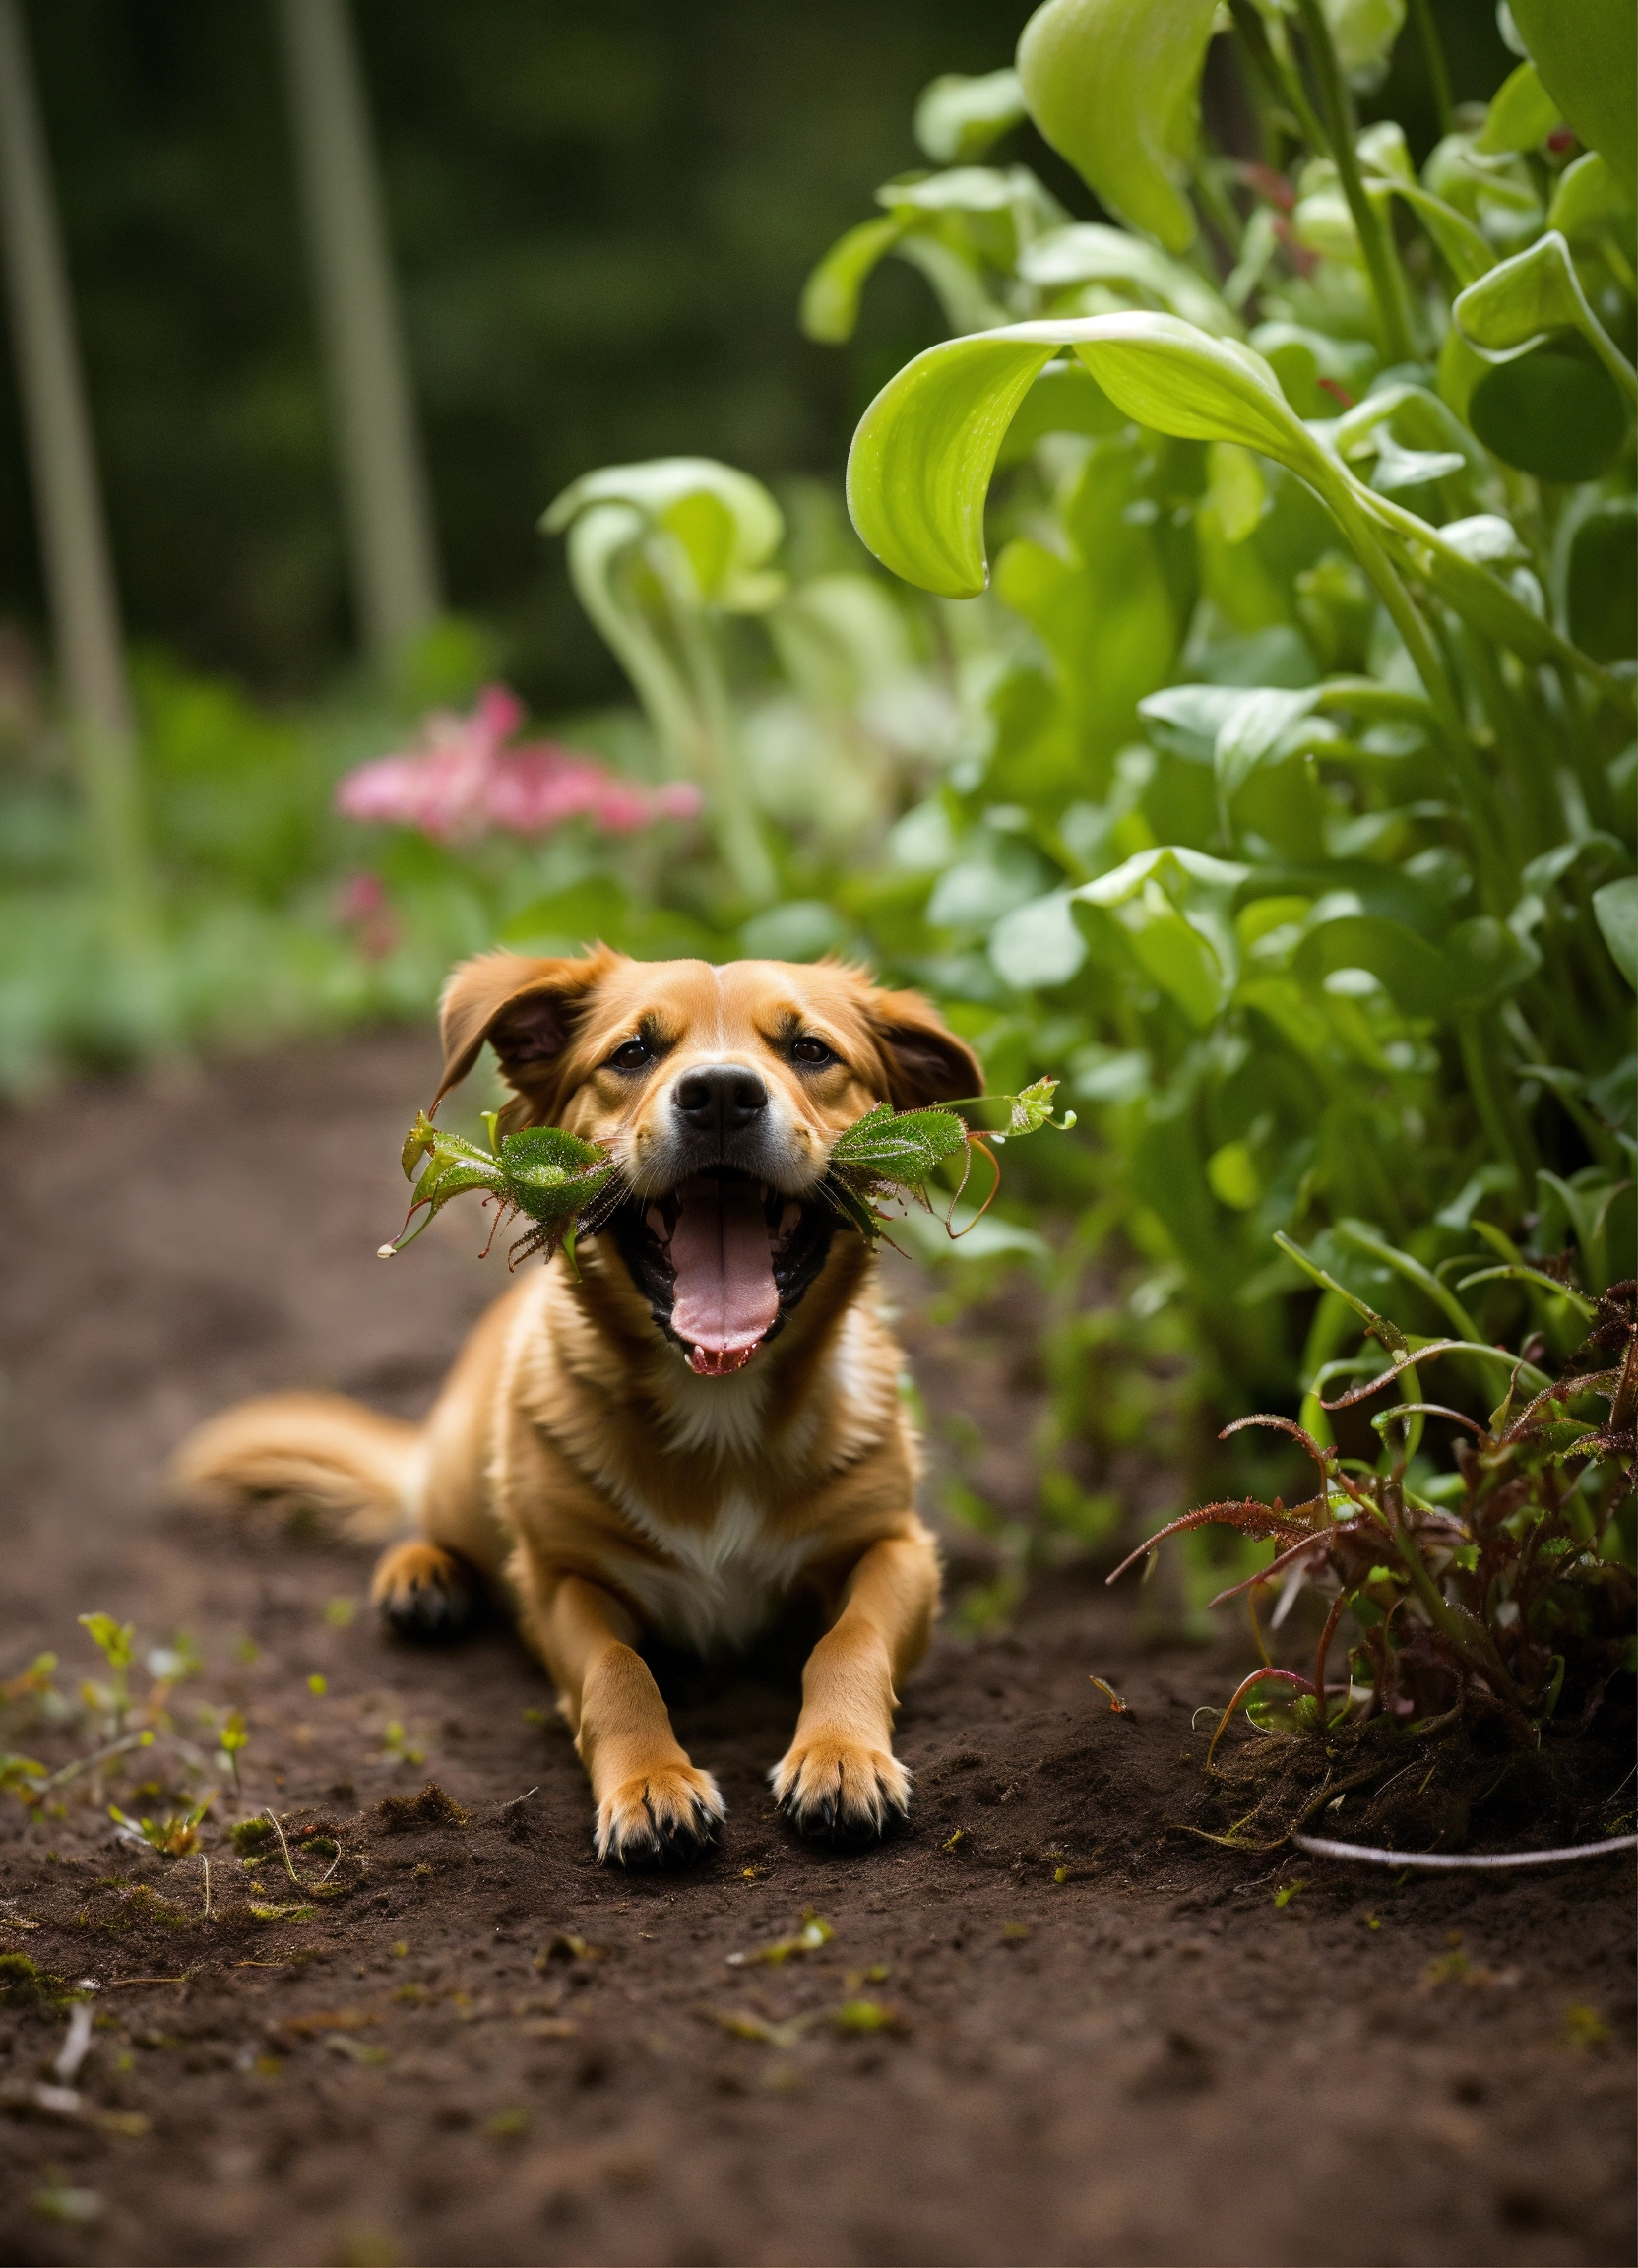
[
  {"x": 837, "y": 1790},
  {"x": 423, "y": 1592},
  {"x": 660, "y": 1818}
]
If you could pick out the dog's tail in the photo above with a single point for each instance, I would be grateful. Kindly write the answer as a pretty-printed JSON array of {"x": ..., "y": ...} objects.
[{"x": 317, "y": 1451}]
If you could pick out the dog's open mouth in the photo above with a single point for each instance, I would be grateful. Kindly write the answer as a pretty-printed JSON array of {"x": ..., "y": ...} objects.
[{"x": 722, "y": 1259}]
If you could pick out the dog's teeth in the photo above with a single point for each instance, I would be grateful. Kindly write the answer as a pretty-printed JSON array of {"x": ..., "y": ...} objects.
[
  {"x": 788, "y": 1220},
  {"x": 655, "y": 1220}
]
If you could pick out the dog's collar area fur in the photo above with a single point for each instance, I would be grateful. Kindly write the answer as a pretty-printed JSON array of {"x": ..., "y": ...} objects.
[{"x": 799, "y": 1233}]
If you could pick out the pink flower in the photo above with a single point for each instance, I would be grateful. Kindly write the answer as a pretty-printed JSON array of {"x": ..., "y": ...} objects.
[{"x": 462, "y": 782}]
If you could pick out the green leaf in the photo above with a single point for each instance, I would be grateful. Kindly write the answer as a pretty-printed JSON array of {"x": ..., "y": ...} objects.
[
  {"x": 1615, "y": 910},
  {"x": 1038, "y": 944},
  {"x": 1552, "y": 412},
  {"x": 1477, "y": 960},
  {"x": 116, "y": 1641},
  {"x": 1522, "y": 301},
  {"x": 1588, "y": 193},
  {"x": 1522, "y": 115},
  {"x": 1363, "y": 32},
  {"x": 1113, "y": 87},
  {"x": 1585, "y": 52},
  {"x": 1088, "y": 252},
  {"x": 957, "y": 118},
  {"x": 921, "y": 460},
  {"x": 831, "y": 295},
  {"x": 727, "y": 523}
]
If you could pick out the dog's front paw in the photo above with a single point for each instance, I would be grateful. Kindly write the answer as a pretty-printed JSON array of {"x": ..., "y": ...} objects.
[
  {"x": 659, "y": 1819},
  {"x": 424, "y": 1592},
  {"x": 838, "y": 1790}
]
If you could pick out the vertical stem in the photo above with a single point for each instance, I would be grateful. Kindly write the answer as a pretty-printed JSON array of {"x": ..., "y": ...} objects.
[
  {"x": 1375, "y": 242},
  {"x": 383, "y": 480},
  {"x": 74, "y": 538},
  {"x": 1504, "y": 1130},
  {"x": 1282, "y": 84},
  {"x": 728, "y": 806},
  {"x": 1439, "y": 78}
]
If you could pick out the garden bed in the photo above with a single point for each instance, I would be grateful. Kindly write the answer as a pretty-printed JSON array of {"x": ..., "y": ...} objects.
[{"x": 1046, "y": 2025}]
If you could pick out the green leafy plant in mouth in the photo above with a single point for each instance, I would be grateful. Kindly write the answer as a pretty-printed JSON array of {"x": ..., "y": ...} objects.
[{"x": 567, "y": 1188}]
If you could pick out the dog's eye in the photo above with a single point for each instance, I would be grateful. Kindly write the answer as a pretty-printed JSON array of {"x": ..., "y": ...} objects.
[
  {"x": 632, "y": 1056},
  {"x": 811, "y": 1053}
]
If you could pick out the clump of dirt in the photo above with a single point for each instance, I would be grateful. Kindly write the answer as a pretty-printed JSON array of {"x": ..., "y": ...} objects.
[
  {"x": 398, "y": 1814},
  {"x": 1040, "y": 2025}
]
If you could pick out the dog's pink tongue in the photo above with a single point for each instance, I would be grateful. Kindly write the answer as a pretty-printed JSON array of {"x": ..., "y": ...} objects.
[{"x": 725, "y": 1294}]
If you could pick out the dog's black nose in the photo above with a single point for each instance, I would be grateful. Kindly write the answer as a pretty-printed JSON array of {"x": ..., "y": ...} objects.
[{"x": 720, "y": 1100}]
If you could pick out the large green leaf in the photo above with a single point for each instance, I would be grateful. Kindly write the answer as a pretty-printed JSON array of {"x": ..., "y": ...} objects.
[
  {"x": 921, "y": 459},
  {"x": 1522, "y": 301},
  {"x": 1586, "y": 54},
  {"x": 1113, "y": 86}
]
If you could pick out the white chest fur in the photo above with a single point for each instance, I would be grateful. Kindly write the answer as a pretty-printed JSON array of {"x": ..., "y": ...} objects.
[{"x": 720, "y": 1584}]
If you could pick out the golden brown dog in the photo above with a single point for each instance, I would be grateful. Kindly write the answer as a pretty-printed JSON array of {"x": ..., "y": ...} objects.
[{"x": 703, "y": 1420}]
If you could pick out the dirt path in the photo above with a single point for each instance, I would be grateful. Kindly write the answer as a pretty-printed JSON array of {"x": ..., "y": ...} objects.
[{"x": 1044, "y": 2028}]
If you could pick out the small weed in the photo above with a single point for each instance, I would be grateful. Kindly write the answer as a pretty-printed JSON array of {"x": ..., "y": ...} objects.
[
  {"x": 246, "y": 1651},
  {"x": 814, "y": 1932},
  {"x": 253, "y": 1838},
  {"x": 176, "y": 1836},
  {"x": 1287, "y": 1892},
  {"x": 398, "y": 1748},
  {"x": 340, "y": 1611},
  {"x": 1014, "y": 1932},
  {"x": 116, "y": 1643},
  {"x": 507, "y": 2125},
  {"x": 233, "y": 1739},
  {"x": 865, "y": 2016},
  {"x": 400, "y": 1950},
  {"x": 23, "y": 1985},
  {"x": 318, "y": 1684},
  {"x": 1584, "y": 2027}
]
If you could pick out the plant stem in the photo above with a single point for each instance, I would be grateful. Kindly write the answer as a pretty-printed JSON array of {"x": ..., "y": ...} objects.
[
  {"x": 1438, "y": 77},
  {"x": 1282, "y": 84},
  {"x": 1507, "y": 1135},
  {"x": 1375, "y": 239}
]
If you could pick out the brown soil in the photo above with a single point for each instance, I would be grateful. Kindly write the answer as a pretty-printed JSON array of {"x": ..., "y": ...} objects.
[{"x": 1090, "y": 2038}]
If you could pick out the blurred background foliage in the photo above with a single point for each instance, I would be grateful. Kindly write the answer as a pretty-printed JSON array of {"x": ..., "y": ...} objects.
[{"x": 601, "y": 220}]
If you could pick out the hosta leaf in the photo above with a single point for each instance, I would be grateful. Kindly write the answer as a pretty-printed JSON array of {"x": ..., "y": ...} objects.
[
  {"x": 727, "y": 523},
  {"x": 1585, "y": 52},
  {"x": 1113, "y": 87},
  {"x": 831, "y": 295},
  {"x": 1522, "y": 115},
  {"x": 957, "y": 118},
  {"x": 1615, "y": 909},
  {"x": 1522, "y": 301},
  {"x": 922, "y": 457},
  {"x": 1088, "y": 252},
  {"x": 1588, "y": 193}
]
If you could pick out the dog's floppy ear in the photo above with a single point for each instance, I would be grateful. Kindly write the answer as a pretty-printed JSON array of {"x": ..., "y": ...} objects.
[
  {"x": 925, "y": 1062},
  {"x": 524, "y": 1008}
]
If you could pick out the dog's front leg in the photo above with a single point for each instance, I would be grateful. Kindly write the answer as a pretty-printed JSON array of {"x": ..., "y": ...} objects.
[
  {"x": 840, "y": 1779},
  {"x": 652, "y": 1804}
]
